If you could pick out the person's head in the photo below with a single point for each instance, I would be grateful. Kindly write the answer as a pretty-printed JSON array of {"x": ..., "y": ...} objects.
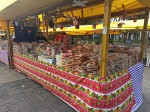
[{"x": 41, "y": 34}]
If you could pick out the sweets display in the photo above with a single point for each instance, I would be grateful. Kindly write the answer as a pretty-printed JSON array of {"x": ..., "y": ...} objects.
[{"x": 82, "y": 59}]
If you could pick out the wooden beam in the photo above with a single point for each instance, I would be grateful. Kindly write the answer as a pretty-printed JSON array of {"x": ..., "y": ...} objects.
[
  {"x": 82, "y": 14},
  {"x": 46, "y": 25},
  {"x": 144, "y": 35},
  {"x": 46, "y": 31},
  {"x": 105, "y": 37},
  {"x": 10, "y": 50}
]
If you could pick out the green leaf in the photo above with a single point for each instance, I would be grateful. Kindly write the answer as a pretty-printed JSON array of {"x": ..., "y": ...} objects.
[
  {"x": 100, "y": 97},
  {"x": 106, "y": 87},
  {"x": 111, "y": 97},
  {"x": 92, "y": 110},
  {"x": 107, "y": 79},
  {"x": 116, "y": 74},
  {"x": 92, "y": 95},
  {"x": 96, "y": 78},
  {"x": 91, "y": 85}
]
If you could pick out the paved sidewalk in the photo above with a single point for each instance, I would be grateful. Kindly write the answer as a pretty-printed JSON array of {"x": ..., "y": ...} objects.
[
  {"x": 25, "y": 95},
  {"x": 20, "y": 94},
  {"x": 146, "y": 91},
  {"x": 9, "y": 75}
]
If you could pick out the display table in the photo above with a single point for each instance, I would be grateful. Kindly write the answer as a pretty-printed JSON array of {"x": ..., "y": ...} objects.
[
  {"x": 4, "y": 57},
  {"x": 81, "y": 92}
]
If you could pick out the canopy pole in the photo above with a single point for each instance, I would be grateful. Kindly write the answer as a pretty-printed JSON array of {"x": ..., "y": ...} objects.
[
  {"x": 146, "y": 44},
  {"x": 144, "y": 35},
  {"x": 43, "y": 28},
  {"x": 46, "y": 30},
  {"x": 10, "y": 50},
  {"x": 105, "y": 37}
]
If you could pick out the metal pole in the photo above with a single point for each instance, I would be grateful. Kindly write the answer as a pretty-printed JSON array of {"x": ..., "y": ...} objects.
[
  {"x": 144, "y": 35},
  {"x": 105, "y": 38},
  {"x": 10, "y": 50}
]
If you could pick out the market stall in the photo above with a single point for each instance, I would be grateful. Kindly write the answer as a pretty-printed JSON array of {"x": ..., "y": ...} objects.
[
  {"x": 77, "y": 81},
  {"x": 88, "y": 77},
  {"x": 73, "y": 75}
]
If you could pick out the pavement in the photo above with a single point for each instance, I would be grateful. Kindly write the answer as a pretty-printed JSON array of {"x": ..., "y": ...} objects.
[
  {"x": 146, "y": 91},
  {"x": 20, "y": 94}
]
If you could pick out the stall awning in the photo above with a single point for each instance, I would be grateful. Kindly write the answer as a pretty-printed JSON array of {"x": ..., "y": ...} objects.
[
  {"x": 25, "y": 7},
  {"x": 88, "y": 29},
  {"x": 131, "y": 6},
  {"x": 130, "y": 24}
]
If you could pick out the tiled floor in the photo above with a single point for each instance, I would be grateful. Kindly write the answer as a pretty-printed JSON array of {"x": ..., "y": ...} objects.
[{"x": 20, "y": 94}]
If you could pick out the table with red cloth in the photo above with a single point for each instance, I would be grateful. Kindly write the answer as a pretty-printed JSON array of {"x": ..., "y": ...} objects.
[{"x": 84, "y": 93}]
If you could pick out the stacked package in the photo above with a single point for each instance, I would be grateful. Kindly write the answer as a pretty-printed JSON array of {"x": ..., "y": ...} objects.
[
  {"x": 59, "y": 60},
  {"x": 77, "y": 58},
  {"x": 91, "y": 66},
  {"x": 116, "y": 62},
  {"x": 133, "y": 56},
  {"x": 84, "y": 59},
  {"x": 65, "y": 57}
]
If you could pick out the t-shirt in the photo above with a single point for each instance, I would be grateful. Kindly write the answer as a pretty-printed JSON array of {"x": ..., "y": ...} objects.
[{"x": 41, "y": 39}]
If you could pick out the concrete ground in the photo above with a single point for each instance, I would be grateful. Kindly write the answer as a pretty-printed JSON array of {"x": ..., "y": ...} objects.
[
  {"x": 20, "y": 94},
  {"x": 9, "y": 75},
  {"x": 146, "y": 91}
]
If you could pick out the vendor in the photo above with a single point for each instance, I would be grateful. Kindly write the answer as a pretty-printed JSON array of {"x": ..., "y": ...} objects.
[{"x": 41, "y": 38}]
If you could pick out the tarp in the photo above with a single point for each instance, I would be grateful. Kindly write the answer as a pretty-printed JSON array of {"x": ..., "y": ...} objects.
[
  {"x": 88, "y": 29},
  {"x": 130, "y": 24},
  {"x": 25, "y": 7},
  {"x": 97, "y": 10}
]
